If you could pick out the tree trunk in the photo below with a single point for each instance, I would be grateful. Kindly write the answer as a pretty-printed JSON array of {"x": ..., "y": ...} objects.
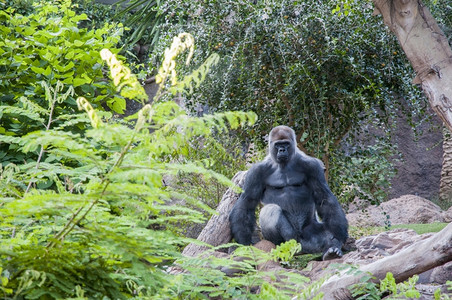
[
  {"x": 217, "y": 231},
  {"x": 419, "y": 257},
  {"x": 445, "y": 187},
  {"x": 426, "y": 47}
]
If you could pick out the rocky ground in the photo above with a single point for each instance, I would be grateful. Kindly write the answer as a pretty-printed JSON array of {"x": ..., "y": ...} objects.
[
  {"x": 408, "y": 209},
  {"x": 373, "y": 248}
]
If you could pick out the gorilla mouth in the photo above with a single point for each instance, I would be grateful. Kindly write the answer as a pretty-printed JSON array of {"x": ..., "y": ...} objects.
[{"x": 282, "y": 158}]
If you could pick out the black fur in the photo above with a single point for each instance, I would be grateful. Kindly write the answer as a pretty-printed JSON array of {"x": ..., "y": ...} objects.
[{"x": 292, "y": 187}]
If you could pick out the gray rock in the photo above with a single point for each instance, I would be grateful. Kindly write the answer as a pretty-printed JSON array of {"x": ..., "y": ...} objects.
[{"x": 407, "y": 209}]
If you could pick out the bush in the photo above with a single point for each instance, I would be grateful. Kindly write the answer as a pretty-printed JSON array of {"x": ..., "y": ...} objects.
[
  {"x": 106, "y": 229},
  {"x": 300, "y": 64},
  {"x": 48, "y": 48}
]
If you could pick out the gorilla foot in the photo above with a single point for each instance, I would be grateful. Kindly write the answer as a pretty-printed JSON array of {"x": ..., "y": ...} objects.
[{"x": 332, "y": 253}]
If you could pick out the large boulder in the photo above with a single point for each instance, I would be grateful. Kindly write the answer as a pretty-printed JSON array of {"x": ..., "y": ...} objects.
[{"x": 407, "y": 209}]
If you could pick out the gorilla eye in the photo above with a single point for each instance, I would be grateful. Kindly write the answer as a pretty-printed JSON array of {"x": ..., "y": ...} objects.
[{"x": 283, "y": 145}]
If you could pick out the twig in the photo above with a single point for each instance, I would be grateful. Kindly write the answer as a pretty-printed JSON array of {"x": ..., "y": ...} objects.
[{"x": 52, "y": 107}]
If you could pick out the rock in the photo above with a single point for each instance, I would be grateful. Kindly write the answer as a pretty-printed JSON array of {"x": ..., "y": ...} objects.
[
  {"x": 448, "y": 215},
  {"x": 408, "y": 209},
  {"x": 419, "y": 171},
  {"x": 442, "y": 274},
  {"x": 373, "y": 248}
]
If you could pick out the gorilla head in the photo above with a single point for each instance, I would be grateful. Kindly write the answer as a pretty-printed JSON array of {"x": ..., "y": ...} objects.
[{"x": 282, "y": 144}]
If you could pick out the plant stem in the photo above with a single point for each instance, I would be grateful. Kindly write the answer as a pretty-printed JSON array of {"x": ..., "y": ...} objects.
[
  {"x": 70, "y": 225},
  {"x": 41, "y": 153}
]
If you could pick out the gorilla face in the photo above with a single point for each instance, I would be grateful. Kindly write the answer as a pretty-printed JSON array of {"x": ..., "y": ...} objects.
[{"x": 282, "y": 151}]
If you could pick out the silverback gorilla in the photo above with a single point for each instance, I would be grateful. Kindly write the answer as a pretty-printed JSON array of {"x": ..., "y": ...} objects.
[{"x": 292, "y": 187}]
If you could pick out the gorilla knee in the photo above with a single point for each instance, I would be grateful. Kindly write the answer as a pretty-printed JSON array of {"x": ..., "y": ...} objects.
[
  {"x": 275, "y": 225},
  {"x": 269, "y": 216}
]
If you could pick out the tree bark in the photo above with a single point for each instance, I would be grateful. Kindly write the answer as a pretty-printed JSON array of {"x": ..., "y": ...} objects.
[
  {"x": 426, "y": 47},
  {"x": 419, "y": 257},
  {"x": 217, "y": 231},
  {"x": 445, "y": 186}
]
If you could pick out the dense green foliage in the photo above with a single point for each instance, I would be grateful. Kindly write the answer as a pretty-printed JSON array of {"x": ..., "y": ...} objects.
[
  {"x": 92, "y": 205},
  {"x": 105, "y": 231},
  {"x": 48, "y": 48},
  {"x": 368, "y": 289},
  {"x": 387, "y": 288},
  {"x": 94, "y": 210},
  {"x": 297, "y": 63},
  {"x": 330, "y": 70}
]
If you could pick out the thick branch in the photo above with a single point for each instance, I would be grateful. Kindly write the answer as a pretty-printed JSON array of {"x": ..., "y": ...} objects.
[
  {"x": 427, "y": 48},
  {"x": 419, "y": 257}
]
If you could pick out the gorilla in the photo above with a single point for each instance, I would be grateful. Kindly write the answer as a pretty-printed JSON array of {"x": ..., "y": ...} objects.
[{"x": 292, "y": 187}]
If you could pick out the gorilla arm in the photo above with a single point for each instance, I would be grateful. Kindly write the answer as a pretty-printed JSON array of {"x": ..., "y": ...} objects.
[
  {"x": 243, "y": 214},
  {"x": 326, "y": 203}
]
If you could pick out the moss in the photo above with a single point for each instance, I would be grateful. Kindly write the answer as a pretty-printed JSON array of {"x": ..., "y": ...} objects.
[
  {"x": 422, "y": 228},
  {"x": 359, "y": 232}
]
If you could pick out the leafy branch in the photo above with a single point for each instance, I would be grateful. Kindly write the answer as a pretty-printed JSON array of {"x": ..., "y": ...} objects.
[{"x": 53, "y": 97}]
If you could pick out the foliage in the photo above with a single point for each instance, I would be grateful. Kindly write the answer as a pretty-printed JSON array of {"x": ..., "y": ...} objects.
[
  {"x": 97, "y": 14},
  {"x": 226, "y": 149},
  {"x": 368, "y": 289},
  {"x": 106, "y": 228},
  {"x": 144, "y": 16},
  {"x": 299, "y": 64},
  {"x": 48, "y": 48},
  {"x": 372, "y": 181},
  {"x": 440, "y": 296},
  {"x": 206, "y": 280},
  {"x": 286, "y": 251},
  {"x": 442, "y": 12},
  {"x": 4, "y": 281},
  {"x": 401, "y": 290},
  {"x": 300, "y": 262}
]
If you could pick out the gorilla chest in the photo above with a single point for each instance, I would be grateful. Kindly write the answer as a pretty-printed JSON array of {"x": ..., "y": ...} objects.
[
  {"x": 286, "y": 188},
  {"x": 280, "y": 179}
]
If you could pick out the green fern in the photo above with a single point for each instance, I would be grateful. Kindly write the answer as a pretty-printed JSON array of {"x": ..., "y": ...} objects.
[{"x": 93, "y": 215}]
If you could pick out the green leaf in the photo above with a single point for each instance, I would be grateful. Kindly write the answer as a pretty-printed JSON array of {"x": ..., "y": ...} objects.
[
  {"x": 47, "y": 71},
  {"x": 80, "y": 81},
  {"x": 38, "y": 70},
  {"x": 78, "y": 43}
]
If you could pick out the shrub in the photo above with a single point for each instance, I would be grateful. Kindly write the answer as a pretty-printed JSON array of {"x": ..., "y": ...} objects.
[
  {"x": 48, "y": 48},
  {"x": 300, "y": 64},
  {"x": 106, "y": 228}
]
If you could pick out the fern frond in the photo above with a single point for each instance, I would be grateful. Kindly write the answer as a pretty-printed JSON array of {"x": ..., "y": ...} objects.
[
  {"x": 17, "y": 111},
  {"x": 52, "y": 138},
  {"x": 7, "y": 139},
  {"x": 126, "y": 82},
  {"x": 71, "y": 120},
  {"x": 180, "y": 43},
  {"x": 82, "y": 103},
  {"x": 32, "y": 106},
  {"x": 195, "y": 79},
  {"x": 150, "y": 177},
  {"x": 50, "y": 203}
]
